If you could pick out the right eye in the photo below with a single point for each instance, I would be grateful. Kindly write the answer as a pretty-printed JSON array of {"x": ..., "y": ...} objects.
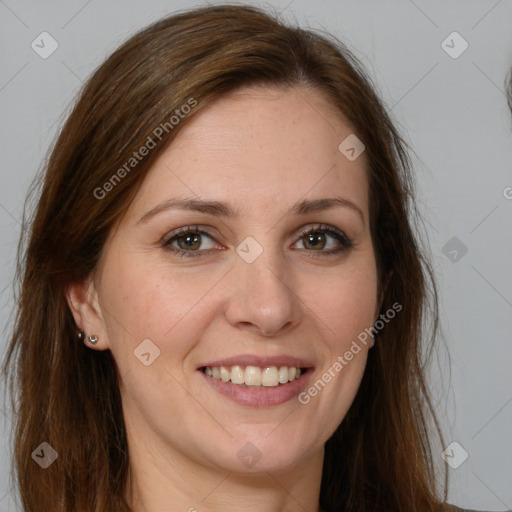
[{"x": 186, "y": 242}]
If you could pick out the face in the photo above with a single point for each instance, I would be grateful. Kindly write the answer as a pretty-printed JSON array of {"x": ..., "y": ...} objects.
[{"x": 227, "y": 258}]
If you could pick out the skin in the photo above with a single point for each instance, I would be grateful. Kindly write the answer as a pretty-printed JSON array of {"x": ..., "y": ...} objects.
[{"x": 261, "y": 150}]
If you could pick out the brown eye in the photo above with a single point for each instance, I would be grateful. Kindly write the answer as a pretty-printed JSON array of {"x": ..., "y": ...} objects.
[
  {"x": 187, "y": 242},
  {"x": 314, "y": 240},
  {"x": 323, "y": 237}
]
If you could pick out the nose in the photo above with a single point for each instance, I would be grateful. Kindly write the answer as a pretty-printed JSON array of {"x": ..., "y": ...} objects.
[{"x": 260, "y": 300}]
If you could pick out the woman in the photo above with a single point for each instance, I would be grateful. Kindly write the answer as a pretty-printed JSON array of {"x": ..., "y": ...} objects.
[{"x": 222, "y": 299}]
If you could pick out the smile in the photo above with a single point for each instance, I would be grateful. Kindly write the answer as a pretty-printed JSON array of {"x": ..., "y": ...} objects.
[{"x": 256, "y": 381}]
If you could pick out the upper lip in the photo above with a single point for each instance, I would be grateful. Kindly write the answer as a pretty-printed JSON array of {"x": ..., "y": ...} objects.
[{"x": 261, "y": 361}]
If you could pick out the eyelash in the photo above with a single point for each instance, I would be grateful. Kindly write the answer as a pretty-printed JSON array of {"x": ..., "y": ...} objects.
[{"x": 345, "y": 242}]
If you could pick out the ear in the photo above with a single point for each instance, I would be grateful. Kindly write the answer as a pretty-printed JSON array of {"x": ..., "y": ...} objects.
[{"x": 82, "y": 299}]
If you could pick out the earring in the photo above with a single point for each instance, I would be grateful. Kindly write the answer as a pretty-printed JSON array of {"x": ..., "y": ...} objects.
[
  {"x": 91, "y": 339},
  {"x": 373, "y": 340}
]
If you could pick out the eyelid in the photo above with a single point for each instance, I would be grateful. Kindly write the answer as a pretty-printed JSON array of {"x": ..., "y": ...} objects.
[
  {"x": 323, "y": 227},
  {"x": 192, "y": 228}
]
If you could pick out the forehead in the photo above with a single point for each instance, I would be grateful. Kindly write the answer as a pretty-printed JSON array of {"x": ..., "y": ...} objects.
[{"x": 258, "y": 144}]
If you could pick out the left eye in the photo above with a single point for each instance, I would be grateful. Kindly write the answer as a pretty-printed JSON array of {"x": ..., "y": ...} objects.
[{"x": 320, "y": 236}]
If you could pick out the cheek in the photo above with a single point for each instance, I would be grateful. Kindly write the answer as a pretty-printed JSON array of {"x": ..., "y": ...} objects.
[
  {"x": 346, "y": 304},
  {"x": 346, "y": 307},
  {"x": 153, "y": 302}
]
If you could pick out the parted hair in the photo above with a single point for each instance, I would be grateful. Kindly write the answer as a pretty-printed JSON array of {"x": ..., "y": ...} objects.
[{"x": 63, "y": 393}]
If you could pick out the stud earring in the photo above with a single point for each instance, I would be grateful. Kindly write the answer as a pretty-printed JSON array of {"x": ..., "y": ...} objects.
[{"x": 91, "y": 339}]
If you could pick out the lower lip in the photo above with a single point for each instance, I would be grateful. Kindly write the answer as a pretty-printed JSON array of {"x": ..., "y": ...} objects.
[{"x": 259, "y": 397}]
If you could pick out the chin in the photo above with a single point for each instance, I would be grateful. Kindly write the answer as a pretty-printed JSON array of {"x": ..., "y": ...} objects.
[{"x": 258, "y": 453}]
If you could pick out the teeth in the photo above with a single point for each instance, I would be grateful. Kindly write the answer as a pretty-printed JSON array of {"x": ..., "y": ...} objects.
[
  {"x": 237, "y": 375},
  {"x": 270, "y": 377},
  {"x": 224, "y": 374},
  {"x": 254, "y": 376}
]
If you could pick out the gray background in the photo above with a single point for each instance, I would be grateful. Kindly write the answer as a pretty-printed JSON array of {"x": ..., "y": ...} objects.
[{"x": 452, "y": 111}]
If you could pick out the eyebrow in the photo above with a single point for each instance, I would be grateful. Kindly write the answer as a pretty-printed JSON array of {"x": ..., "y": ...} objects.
[{"x": 220, "y": 209}]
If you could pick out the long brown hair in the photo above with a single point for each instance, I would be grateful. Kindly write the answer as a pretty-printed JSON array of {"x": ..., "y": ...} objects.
[{"x": 379, "y": 458}]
